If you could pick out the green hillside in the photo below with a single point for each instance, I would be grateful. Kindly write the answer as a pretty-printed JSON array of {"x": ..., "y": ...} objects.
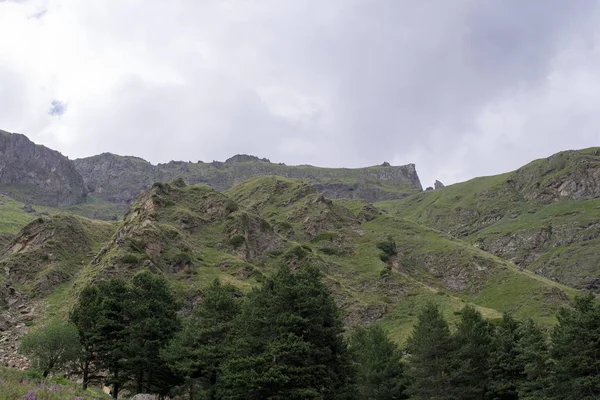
[
  {"x": 194, "y": 234},
  {"x": 544, "y": 217}
]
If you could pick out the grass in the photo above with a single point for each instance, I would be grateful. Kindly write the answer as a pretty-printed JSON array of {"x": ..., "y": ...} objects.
[{"x": 29, "y": 385}]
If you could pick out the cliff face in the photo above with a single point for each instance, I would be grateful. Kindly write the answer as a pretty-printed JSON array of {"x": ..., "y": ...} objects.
[
  {"x": 122, "y": 179},
  {"x": 36, "y": 174}
]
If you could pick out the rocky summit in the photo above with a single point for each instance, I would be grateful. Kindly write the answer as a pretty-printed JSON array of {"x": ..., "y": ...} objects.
[{"x": 37, "y": 174}]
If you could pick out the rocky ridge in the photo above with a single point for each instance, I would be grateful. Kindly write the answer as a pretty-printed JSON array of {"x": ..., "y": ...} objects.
[
  {"x": 122, "y": 179},
  {"x": 36, "y": 174}
]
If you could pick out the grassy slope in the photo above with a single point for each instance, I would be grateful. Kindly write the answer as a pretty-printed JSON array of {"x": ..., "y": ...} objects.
[
  {"x": 19, "y": 384},
  {"x": 554, "y": 238},
  {"x": 187, "y": 233}
]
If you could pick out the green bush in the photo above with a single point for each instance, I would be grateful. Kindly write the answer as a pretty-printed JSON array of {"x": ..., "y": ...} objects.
[
  {"x": 130, "y": 258},
  {"x": 237, "y": 241}
]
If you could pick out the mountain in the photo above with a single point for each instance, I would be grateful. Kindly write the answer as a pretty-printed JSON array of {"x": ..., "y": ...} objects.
[
  {"x": 121, "y": 180},
  {"x": 544, "y": 217},
  {"x": 36, "y": 174}
]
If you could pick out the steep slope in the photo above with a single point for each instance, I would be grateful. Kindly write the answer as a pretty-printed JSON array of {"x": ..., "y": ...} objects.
[
  {"x": 194, "y": 234},
  {"x": 544, "y": 217},
  {"x": 122, "y": 179},
  {"x": 51, "y": 250},
  {"x": 36, "y": 174}
]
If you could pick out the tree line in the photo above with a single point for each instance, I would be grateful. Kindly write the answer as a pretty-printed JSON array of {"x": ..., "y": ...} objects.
[{"x": 285, "y": 340}]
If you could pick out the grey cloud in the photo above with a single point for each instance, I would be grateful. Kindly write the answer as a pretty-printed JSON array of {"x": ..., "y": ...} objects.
[{"x": 460, "y": 87}]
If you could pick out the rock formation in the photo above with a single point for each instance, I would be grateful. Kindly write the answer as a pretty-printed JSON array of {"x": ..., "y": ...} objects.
[{"x": 36, "y": 174}]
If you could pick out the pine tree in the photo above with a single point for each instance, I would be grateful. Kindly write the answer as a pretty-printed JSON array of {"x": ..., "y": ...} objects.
[
  {"x": 152, "y": 310},
  {"x": 197, "y": 352},
  {"x": 576, "y": 350},
  {"x": 505, "y": 372},
  {"x": 471, "y": 355},
  {"x": 288, "y": 342},
  {"x": 532, "y": 358},
  {"x": 379, "y": 370},
  {"x": 429, "y": 350},
  {"x": 109, "y": 334}
]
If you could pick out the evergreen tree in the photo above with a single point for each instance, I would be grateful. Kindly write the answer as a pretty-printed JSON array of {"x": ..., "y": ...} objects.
[
  {"x": 576, "y": 350},
  {"x": 429, "y": 350},
  {"x": 110, "y": 331},
  {"x": 505, "y": 372},
  {"x": 84, "y": 316},
  {"x": 532, "y": 358},
  {"x": 197, "y": 352},
  {"x": 152, "y": 310},
  {"x": 471, "y": 355},
  {"x": 379, "y": 371},
  {"x": 288, "y": 342}
]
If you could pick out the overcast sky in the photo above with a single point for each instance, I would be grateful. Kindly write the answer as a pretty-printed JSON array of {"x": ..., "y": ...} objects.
[{"x": 462, "y": 88}]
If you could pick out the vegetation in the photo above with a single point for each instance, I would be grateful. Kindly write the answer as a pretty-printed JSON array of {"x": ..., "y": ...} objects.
[{"x": 52, "y": 348}]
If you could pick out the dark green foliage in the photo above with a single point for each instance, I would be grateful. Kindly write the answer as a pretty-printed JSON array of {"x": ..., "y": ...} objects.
[
  {"x": 506, "y": 372},
  {"x": 153, "y": 322},
  {"x": 532, "y": 359},
  {"x": 388, "y": 248},
  {"x": 430, "y": 350},
  {"x": 237, "y": 241},
  {"x": 130, "y": 258},
  {"x": 379, "y": 370},
  {"x": 470, "y": 358},
  {"x": 197, "y": 352},
  {"x": 231, "y": 206},
  {"x": 122, "y": 327},
  {"x": 52, "y": 348},
  {"x": 576, "y": 350},
  {"x": 287, "y": 342}
]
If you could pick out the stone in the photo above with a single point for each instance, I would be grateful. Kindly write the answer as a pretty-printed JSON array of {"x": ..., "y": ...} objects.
[
  {"x": 438, "y": 185},
  {"x": 428, "y": 188}
]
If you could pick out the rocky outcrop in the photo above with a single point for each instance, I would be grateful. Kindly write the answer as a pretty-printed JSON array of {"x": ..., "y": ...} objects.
[
  {"x": 122, "y": 179},
  {"x": 35, "y": 174},
  {"x": 571, "y": 175},
  {"x": 438, "y": 185}
]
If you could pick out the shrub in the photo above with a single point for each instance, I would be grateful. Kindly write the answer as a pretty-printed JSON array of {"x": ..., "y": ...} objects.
[
  {"x": 237, "y": 241},
  {"x": 130, "y": 258}
]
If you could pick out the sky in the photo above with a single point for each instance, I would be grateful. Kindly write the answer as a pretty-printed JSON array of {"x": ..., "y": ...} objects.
[{"x": 461, "y": 88}]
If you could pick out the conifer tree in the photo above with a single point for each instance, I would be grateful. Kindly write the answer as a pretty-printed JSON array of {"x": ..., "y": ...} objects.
[
  {"x": 288, "y": 343},
  {"x": 470, "y": 358},
  {"x": 576, "y": 350},
  {"x": 429, "y": 351},
  {"x": 197, "y": 352},
  {"x": 379, "y": 370},
  {"x": 152, "y": 310},
  {"x": 505, "y": 372},
  {"x": 532, "y": 358}
]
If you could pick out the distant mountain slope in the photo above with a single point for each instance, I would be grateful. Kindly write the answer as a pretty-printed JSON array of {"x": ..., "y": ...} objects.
[
  {"x": 36, "y": 174},
  {"x": 121, "y": 180},
  {"x": 194, "y": 234},
  {"x": 545, "y": 216}
]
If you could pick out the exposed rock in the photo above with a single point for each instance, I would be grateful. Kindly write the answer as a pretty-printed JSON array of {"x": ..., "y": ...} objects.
[
  {"x": 122, "y": 179},
  {"x": 438, "y": 185},
  {"x": 36, "y": 174},
  {"x": 428, "y": 188},
  {"x": 386, "y": 164}
]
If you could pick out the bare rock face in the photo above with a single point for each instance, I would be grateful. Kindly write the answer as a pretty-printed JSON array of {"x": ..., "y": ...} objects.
[
  {"x": 438, "y": 185},
  {"x": 35, "y": 174},
  {"x": 121, "y": 179}
]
